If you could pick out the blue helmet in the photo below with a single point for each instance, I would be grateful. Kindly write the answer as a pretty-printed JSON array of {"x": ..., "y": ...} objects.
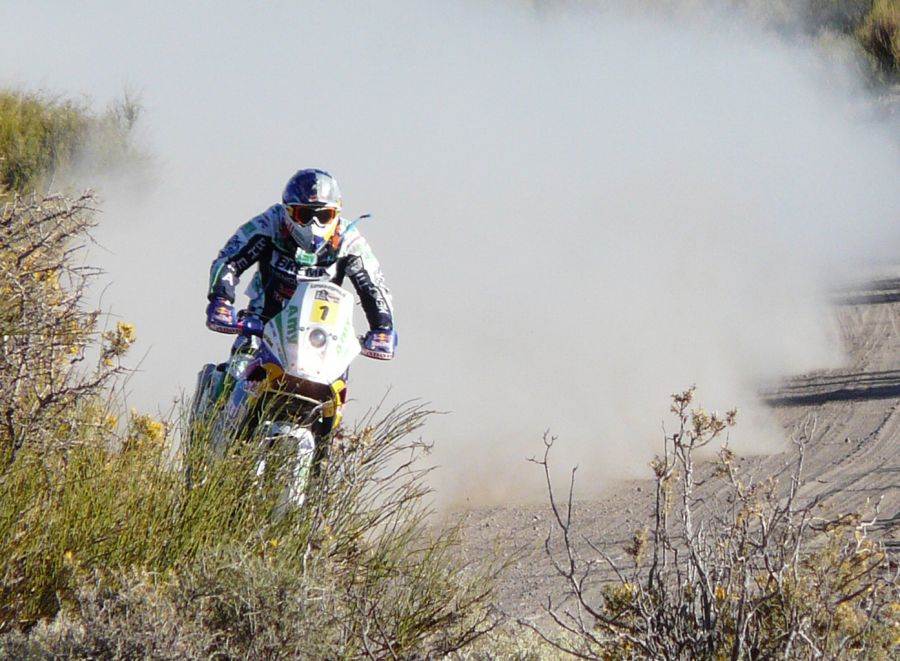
[
  {"x": 312, "y": 187},
  {"x": 312, "y": 204}
]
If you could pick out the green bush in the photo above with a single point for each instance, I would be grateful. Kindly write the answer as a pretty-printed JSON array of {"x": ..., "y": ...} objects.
[
  {"x": 44, "y": 138},
  {"x": 879, "y": 34},
  {"x": 115, "y": 547},
  {"x": 37, "y": 136}
]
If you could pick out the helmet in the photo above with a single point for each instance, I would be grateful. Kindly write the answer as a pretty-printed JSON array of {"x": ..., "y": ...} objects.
[{"x": 312, "y": 204}]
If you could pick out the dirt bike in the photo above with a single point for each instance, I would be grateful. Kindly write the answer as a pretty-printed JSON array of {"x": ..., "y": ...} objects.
[{"x": 285, "y": 384}]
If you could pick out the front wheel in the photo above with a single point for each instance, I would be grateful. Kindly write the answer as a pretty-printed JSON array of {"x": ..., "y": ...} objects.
[
  {"x": 287, "y": 452},
  {"x": 199, "y": 435}
]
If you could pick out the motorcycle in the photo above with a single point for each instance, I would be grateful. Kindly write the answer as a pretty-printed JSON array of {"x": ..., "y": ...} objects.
[{"x": 285, "y": 384}]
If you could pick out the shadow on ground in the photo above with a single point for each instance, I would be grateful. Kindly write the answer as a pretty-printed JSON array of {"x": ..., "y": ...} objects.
[{"x": 835, "y": 387}]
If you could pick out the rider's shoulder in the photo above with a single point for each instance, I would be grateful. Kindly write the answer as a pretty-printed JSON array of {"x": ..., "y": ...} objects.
[
  {"x": 266, "y": 223},
  {"x": 272, "y": 216}
]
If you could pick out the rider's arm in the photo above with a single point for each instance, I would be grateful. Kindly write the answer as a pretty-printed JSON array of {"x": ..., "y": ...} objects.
[
  {"x": 360, "y": 265},
  {"x": 243, "y": 250}
]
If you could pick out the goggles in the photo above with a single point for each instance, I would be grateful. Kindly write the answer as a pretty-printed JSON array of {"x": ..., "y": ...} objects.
[{"x": 304, "y": 215}]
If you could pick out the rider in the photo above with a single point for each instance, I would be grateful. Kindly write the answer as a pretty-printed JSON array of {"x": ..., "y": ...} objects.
[{"x": 303, "y": 238}]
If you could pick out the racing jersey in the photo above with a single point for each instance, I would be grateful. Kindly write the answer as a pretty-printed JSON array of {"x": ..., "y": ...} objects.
[{"x": 281, "y": 264}]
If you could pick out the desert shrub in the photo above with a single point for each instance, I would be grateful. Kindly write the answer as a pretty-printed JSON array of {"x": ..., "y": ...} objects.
[
  {"x": 130, "y": 621},
  {"x": 356, "y": 572},
  {"x": 765, "y": 576},
  {"x": 56, "y": 419},
  {"x": 47, "y": 394},
  {"x": 879, "y": 34},
  {"x": 42, "y": 137},
  {"x": 37, "y": 136},
  {"x": 113, "y": 539},
  {"x": 866, "y": 26},
  {"x": 510, "y": 642}
]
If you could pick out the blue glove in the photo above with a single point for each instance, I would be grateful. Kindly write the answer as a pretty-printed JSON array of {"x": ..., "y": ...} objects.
[
  {"x": 249, "y": 324},
  {"x": 379, "y": 344},
  {"x": 221, "y": 317}
]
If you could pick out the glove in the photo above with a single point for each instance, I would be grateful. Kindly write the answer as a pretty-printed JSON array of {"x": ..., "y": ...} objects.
[
  {"x": 379, "y": 344},
  {"x": 220, "y": 316},
  {"x": 249, "y": 324}
]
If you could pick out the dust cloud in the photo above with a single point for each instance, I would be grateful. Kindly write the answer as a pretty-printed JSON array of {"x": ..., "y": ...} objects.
[{"x": 578, "y": 211}]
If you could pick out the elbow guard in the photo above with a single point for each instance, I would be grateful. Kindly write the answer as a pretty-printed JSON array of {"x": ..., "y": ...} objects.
[{"x": 371, "y": 296}]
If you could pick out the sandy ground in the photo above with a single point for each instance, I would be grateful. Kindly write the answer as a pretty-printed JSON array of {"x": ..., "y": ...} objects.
[{"x": 852, "y": 457}]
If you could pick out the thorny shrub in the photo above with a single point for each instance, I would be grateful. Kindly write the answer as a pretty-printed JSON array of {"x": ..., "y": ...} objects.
[
  {"x": 768, "y": 575},
  {"x": 120, "y": 550},
  {"x": 45, "y": 327},
  {"x": 361, "y": 571}
]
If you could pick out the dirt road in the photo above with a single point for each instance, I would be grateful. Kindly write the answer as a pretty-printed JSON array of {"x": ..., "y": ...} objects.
[{"x": 852, "y": 456}]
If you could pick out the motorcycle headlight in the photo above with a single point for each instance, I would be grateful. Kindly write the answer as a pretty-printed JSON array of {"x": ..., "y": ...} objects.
[{"x": 318, "y": 338}]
